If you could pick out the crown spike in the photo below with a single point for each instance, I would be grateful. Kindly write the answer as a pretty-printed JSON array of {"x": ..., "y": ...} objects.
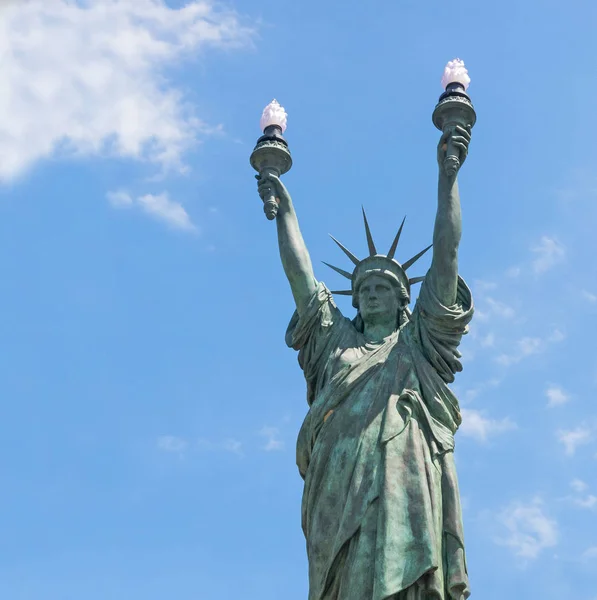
[
  {"x": 338, "y": 270},
  {"x": 343, "y": 292},
  {"x": 414, "y": 280},
  {"x": 392, "y": 250},
  {"x": 346, "y": 251},
  {"x": 415, "y": 258},
  {"x": 372, "y": 248}
]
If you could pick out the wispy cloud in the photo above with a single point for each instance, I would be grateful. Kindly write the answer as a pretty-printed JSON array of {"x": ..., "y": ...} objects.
[
  {"x": 475, "y": 425},
  {"x": 120, "y": 199},
  {"x": 528, "y": 529},
  {"x": 589, "y": 296},
  {"x": 272, "y": 437},
  {"x": 231, "y": 445},
  {"x": 469, "y": 394},
  {"x": 556, "y": 396},
  {"x": 589, "y": 501},
  {"x": 87, "y": 78},
  {"x": 524, "y": 347},
  {"x": 164, "y": 209},
  {"x": 488, "y": 341},
  {"x": 172, "y": 443},
  {"x": 528, "y": 346},
  {"x": 549, "y": 252},
  {"x": 182, "y": 446},
  {"x": 159, "y": 207},
  {"x": 489, "y": 307},
  {"x": 581, "y": 498},
  {"x": 557, "y": 335},
  {"x": 483, "y": 286},
  {"x": 578, "y": 485},
  {"x": 500, "y": 309},
  {"x": 590, "y": 554},
  {"x": 573, "y": 438}
]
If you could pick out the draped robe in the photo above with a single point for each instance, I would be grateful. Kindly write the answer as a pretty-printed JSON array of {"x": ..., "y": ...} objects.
[{"x": 381, "y": 508}]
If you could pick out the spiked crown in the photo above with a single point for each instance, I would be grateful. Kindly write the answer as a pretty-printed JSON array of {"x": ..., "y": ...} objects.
[{"x": 376, "y": 264}]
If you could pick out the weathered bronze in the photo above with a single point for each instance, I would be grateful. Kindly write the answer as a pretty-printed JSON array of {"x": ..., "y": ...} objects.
[{"x": 381, "y": 508}]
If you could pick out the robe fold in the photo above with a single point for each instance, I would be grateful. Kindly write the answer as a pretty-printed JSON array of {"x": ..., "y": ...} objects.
[{"x": 381, "y": 508}]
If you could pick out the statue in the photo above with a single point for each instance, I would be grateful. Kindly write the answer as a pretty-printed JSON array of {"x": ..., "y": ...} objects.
[{"x": 381, "y": 509}]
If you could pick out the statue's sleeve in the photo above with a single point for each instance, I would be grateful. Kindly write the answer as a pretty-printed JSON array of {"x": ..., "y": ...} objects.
[
  {"x": 316, "y": 335},
  {"x": 438, "y": 329}
]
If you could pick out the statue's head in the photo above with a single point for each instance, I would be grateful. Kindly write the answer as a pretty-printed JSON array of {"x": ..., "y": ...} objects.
[
  {"x": 381, "y": 299},
  {"x": 380, "y": 287}
]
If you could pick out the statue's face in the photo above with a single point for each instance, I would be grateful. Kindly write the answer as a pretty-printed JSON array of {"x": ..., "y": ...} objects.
[{"x": 378, "y": 301}]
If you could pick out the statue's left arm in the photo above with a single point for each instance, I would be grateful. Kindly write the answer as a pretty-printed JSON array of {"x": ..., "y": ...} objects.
[{"x": 448, "y": 221}]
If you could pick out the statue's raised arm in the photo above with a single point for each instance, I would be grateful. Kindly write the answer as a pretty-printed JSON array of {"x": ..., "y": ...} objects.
[
  {"x": 448, "y": 221},
  {"x": 293, "y": 251}
]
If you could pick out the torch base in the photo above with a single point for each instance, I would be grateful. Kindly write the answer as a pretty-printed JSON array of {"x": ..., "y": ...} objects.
[
  {"x": 271, "y": 154},
  {"x": 454, "y": 108}
]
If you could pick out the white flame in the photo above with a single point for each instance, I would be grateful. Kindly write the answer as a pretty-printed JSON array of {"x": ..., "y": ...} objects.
[
  {"x": 455, "y": 72},
  {"x": 273, "y": 114}
]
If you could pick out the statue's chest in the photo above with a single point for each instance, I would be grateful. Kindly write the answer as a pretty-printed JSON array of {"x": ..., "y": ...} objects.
[
  {"x": 349, "y": 357},
  {"x": 355, "y": 356}
]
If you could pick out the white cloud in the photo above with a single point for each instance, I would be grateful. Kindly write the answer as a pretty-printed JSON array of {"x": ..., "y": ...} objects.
[
  {"x": 556, "y": 336},
  {"x": 549, "y": 252},
  {"x": 484, "y": 286},
  {"x": 172, "y": 443},
  {"x": 86, "y": 78},
  {"x": 158, "y": 206},
  {"x": 488, "y": 341},
  {"x": 556, "y": 396},
  {"x": 164, "y": 209},
  {"x": 589, "y": 296},
  {"x": 528, "y": 346},
  {"x": 119, "y": 199},
  {"x": 513, "y": 272},
  {"x": 589, "y": 501},
  {"x": 227, "y": 445},
  {"x": 490, "y": 307},
  {"x": 273, "y": 442},
  {"x": 590, "y": 553},
  {"x": 528, "y": 529},
  {"x": 573, "y": 438},
  {"x": 232, "y": 445},
  {"x": 500, "y": 309},
  {"x": 578, "y": 485},
  {"x": 480, "y": 428},
  {"x": 469, "y": 394}
]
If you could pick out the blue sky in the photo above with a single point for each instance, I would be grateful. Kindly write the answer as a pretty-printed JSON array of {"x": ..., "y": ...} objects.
[{"x": 150, "y": 406}]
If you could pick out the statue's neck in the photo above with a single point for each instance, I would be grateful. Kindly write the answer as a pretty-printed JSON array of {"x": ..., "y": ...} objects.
[{"x": 377, "y": 332}]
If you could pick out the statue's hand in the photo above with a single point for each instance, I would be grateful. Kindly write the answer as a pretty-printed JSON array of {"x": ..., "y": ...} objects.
[
  {"x": 268, "y": 184},
  {"x": 459, "y": 138}
]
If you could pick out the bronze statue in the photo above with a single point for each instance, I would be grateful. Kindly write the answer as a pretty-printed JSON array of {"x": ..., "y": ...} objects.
[{"x": 381, "y": 509}]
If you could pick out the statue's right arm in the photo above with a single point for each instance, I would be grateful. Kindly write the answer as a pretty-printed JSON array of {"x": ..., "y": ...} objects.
[{"x": 293, "y": 251}]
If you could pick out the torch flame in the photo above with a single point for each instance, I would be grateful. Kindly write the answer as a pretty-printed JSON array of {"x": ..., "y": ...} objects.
[
  {"x": 274, "y": 114},
  {"x": 455, "y": 72}
]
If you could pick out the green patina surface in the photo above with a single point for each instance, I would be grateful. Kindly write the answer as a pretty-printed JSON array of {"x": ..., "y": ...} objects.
[{"x": 381, "y": 510}]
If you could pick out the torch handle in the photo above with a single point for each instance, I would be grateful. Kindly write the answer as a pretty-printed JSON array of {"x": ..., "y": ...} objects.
[
  {"x": 452, "y": 158},
  {"x": 270, "y": 206}
]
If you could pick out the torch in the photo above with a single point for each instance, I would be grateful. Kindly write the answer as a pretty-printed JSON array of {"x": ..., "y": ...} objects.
[
  {"x": 454, "y": 108},
  {"x": 271, "y": 154}
]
